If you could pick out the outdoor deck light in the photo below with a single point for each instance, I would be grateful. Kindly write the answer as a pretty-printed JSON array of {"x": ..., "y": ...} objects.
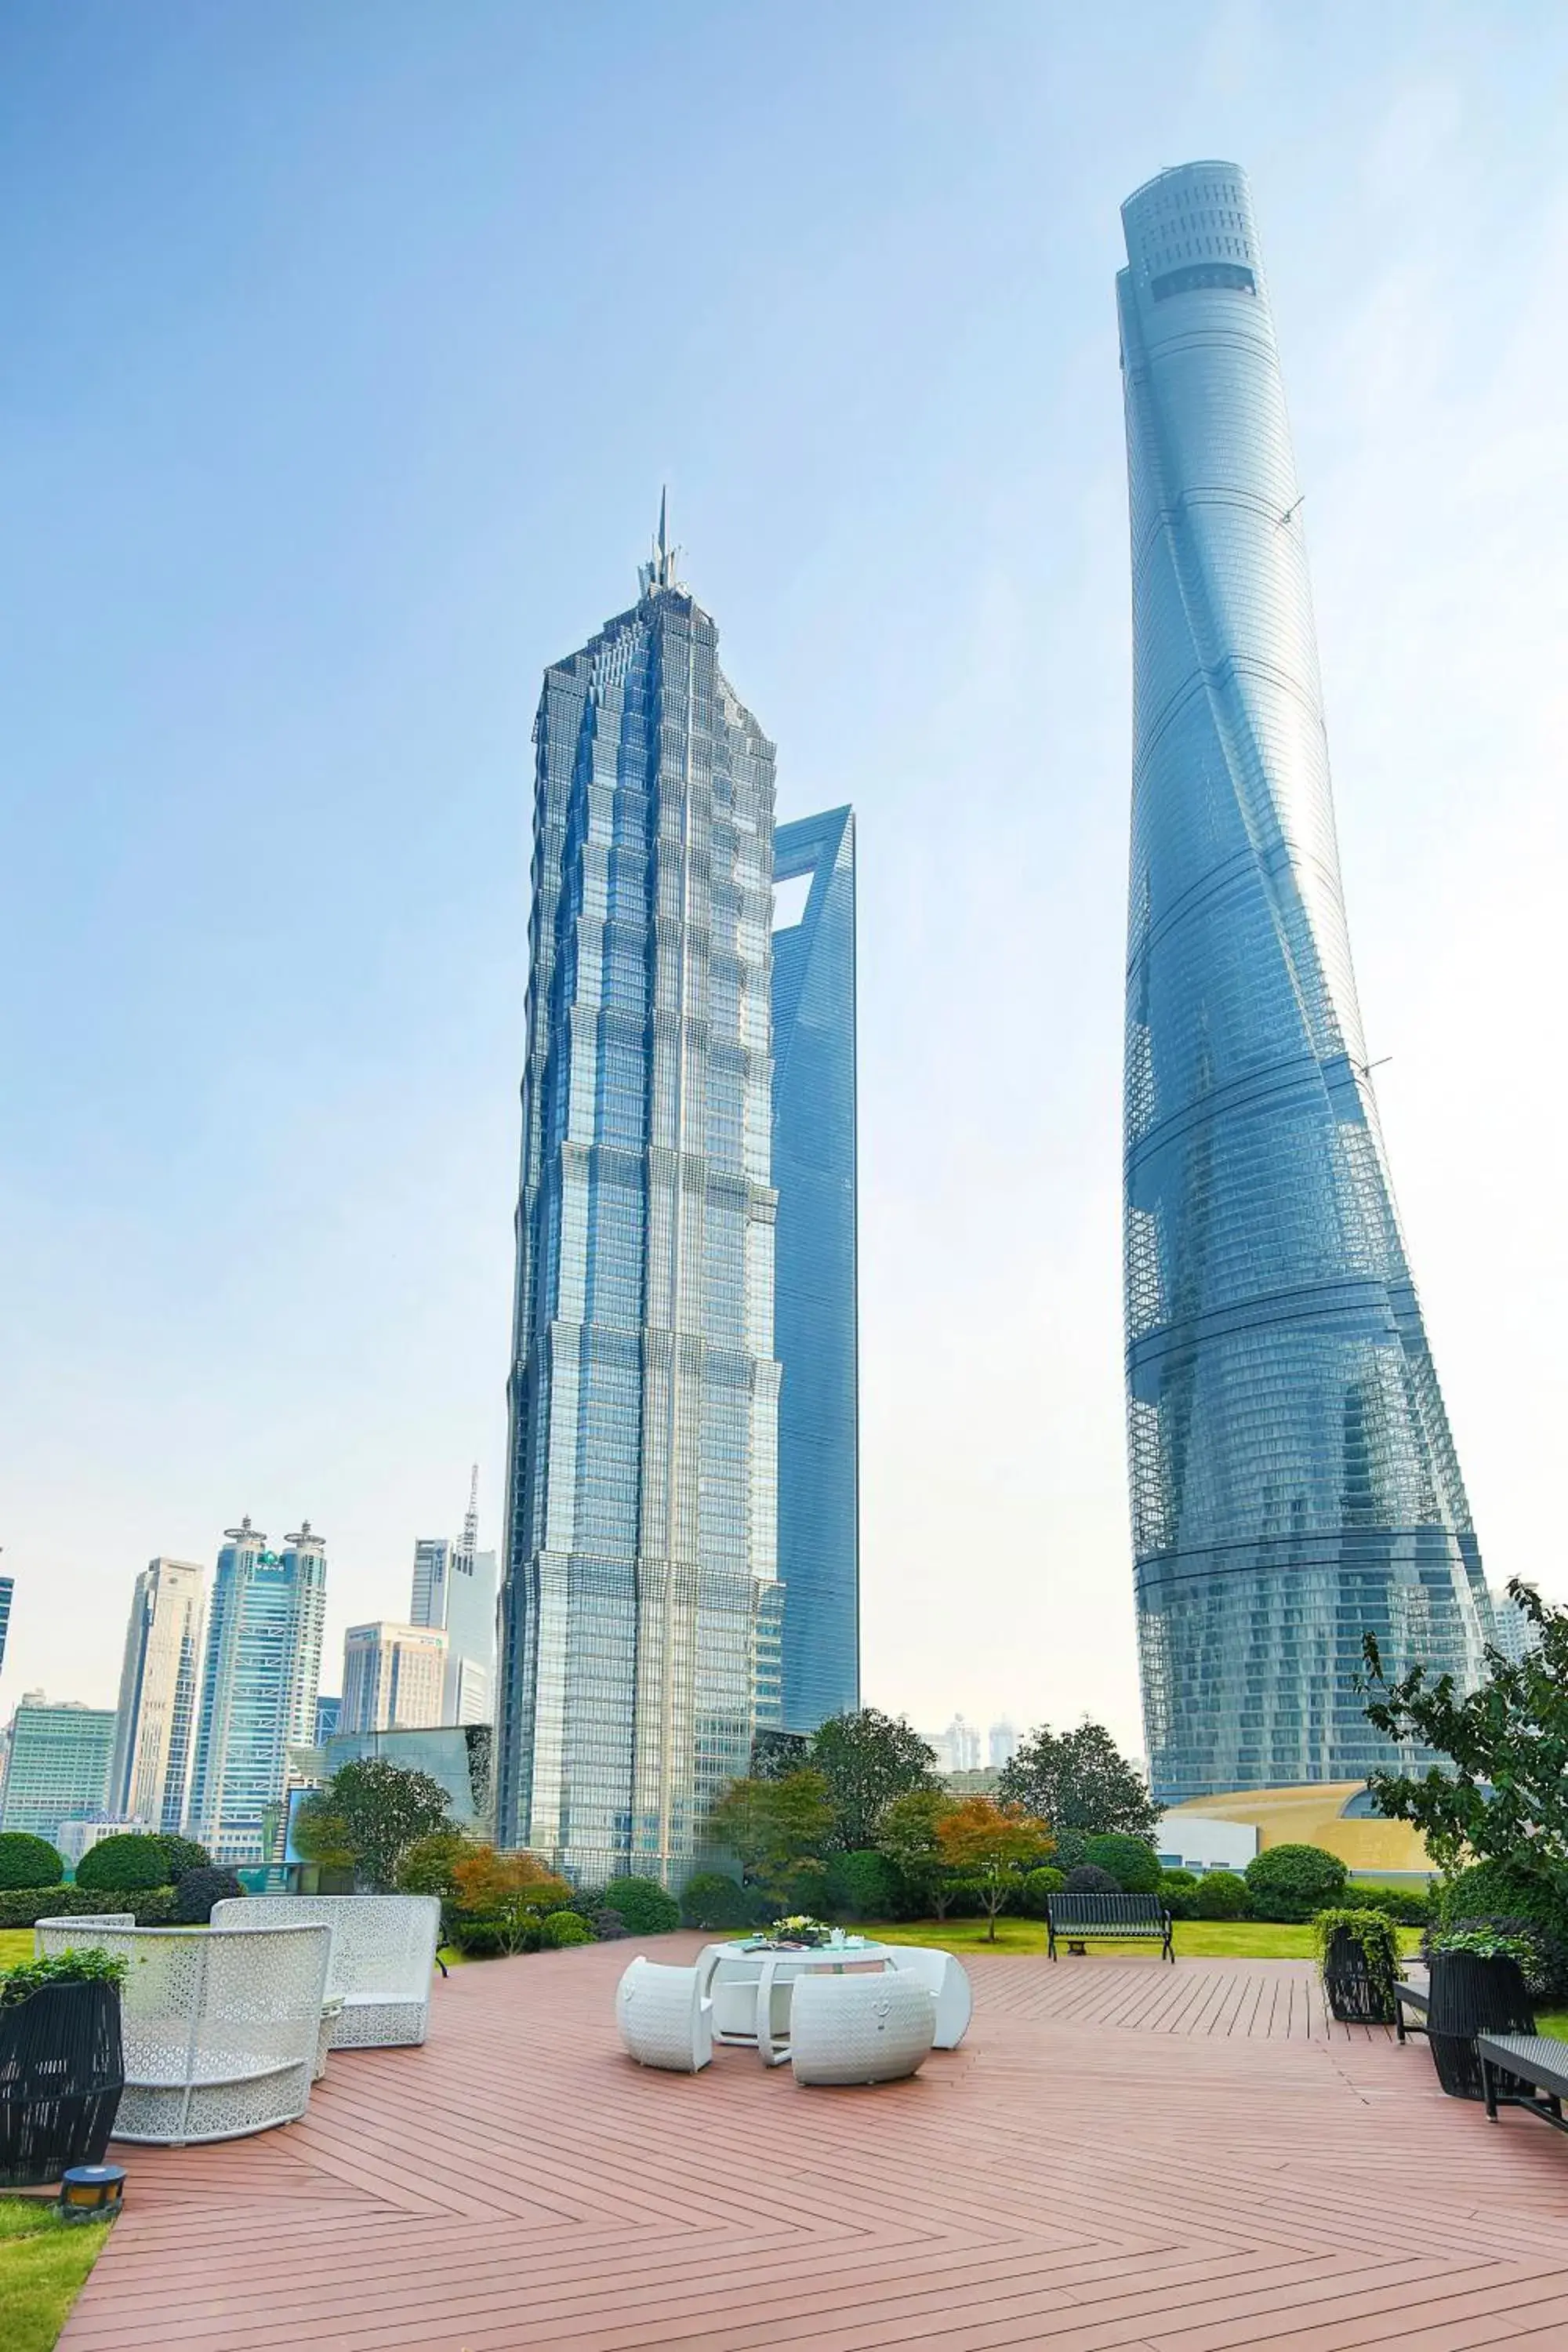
[{"x": 91, "y": 2192}]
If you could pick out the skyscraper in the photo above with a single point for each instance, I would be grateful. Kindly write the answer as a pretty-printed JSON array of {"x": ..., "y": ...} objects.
[
  {"x": 155, "y": 1721},
  {"x": 56, "y": 1763},
  {"x": 260, "y": 1677},
  {"x": 7, "y": 1588},
  {"x": 455, "y": 1588},
  {"x": 392, "y": 1678},
  {"x": 1293, "y": 1479},
  {"x": 638, "y": 1608},
  {"x": 816, "y": 1326}
]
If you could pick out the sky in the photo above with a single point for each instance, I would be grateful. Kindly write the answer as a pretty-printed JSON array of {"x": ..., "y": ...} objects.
[{"x": 343, "y": 351}]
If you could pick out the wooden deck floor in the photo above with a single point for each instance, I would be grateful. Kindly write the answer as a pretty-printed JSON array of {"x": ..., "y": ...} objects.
[{"x": 1122, "y": 2155}]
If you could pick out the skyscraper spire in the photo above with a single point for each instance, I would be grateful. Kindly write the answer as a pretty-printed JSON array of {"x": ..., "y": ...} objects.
[
  {"x": 659, "y": 571},
  {"x": 471, "y": 1517}
]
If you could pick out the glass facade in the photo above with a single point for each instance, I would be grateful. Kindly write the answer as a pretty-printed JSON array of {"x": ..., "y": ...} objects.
[
  {"x": 1293, "y": 1479},
  {"x": 455, "y": 1588},
  {"x": 260, "y": 1679},
  {"x": 816, "y": 1320},
  {"x": 56, "y": 1764},
  {"x": 638, "y": 1591},
  {"x": 7, "y": 1587},
  {"x": 158, "y": 1685}
]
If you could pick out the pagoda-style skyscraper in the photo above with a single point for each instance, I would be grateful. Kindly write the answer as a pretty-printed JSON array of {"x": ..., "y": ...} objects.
[
  {"x": 639, "y": 1607},
  {"x": 1294, "y": 1482}
]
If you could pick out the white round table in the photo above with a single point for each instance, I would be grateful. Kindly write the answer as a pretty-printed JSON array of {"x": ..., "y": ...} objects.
[{"x": 751, "y": 1984}]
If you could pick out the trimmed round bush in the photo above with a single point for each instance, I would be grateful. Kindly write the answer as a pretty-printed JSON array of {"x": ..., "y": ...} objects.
[
  {"x": 199, "y": 1890},
  {"x": 1039, "y": 1886},
  {"x": 1295, "y": 1882},
  {"x": 713, "y": 1899},
  {"x": 644, "y": 1905},
  {"x": 28, "y": 1860},
  {"x": 1488, "y": 1894},
  {"x": 180, "y": 1854},
  {"x": 1089, "y": 1878},
  {"x": 1178, "y": 1891},
  {"x": 1221, "y": 1895},
  {"x": 124, "y": 1864},
  {"x": 863, "y": 1886},
  {"x": 1132, "y": 1861},
  {"x": 561, "y": 1928}
]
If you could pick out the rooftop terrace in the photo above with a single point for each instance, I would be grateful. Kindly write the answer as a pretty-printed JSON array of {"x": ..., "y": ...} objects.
[{"x": 1120, "y": 2154}]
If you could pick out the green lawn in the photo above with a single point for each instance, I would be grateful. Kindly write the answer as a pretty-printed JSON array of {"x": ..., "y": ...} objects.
[
  {"x": 16, "y": 1946},
  {"x": 43, "y": 2262},
  {"x": 1206, "y": 1939}
]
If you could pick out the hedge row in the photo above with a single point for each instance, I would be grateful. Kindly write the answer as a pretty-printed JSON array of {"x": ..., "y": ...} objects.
[{"x": 24, "y": 1907}]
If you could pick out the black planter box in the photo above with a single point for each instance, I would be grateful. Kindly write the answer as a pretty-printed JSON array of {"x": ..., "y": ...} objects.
[
  {"x": 1352, "y": 1996},
  {"x": 1469, "y": 1996},
  {"x": 62, "y": 2070}
]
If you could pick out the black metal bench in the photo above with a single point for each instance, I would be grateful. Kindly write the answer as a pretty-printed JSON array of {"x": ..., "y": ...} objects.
[
  {"x": 1107, "y": 1919},
  {"x": 1535, "y": 2064},
  {"x": 1417, "y": 2001}
]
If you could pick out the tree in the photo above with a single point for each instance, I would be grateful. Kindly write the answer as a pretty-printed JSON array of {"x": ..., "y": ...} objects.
[
  {"x": 994, "y": 1846},
  {"x": 1506, "y": 1796},
  {"x": 774, "y": 1828},
  {"x": 367, "y": 1816},
  {"x": 512, "y": 1894},
  {"x": 868, "y": 1759},
  {"x": 1080, "y": 1780},
  {"x": 908, "y": 1836},
  {"x": 430, "y": 1865}
]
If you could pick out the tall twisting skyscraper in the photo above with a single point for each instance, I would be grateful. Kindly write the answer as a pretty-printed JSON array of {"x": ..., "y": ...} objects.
[
  {"x": 638, "y": 1609},
  {"x": 816, "y": 1324},
  {"x": 1294, "y": 1482}
]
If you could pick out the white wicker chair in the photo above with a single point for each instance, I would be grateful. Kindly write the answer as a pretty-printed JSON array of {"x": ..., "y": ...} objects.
[
  {"x": 662, "y": 2018},
  {"x": 860, "y": 2029},
  {"x": 220, "y": 2031},
  {"x": 945, "y": 1979},
  {"x": 384, "y": 1957},
  {"x": 78, "y": 1920}
]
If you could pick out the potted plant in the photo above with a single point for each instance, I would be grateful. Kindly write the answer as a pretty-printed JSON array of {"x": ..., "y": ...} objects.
[
  {"x": 62, "y": 2068},
  {"x": 1477, "y": 1986},
  {"x": 1358, "y": 1953}
]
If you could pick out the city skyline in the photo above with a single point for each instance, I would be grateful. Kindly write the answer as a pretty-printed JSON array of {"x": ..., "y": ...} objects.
[
  {"x": 1294, "y": 1482},
  {"x": 274, "y": 657}
]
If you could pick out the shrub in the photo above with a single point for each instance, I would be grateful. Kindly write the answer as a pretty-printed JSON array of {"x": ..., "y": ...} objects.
[
  {"x": 23, "y": 1906},
  {"x": 713, "y": 1899},
  {"x": 562, "y": 1928},
  {"x": 609, "y": 1926},
  {"x": 1293, "y": 1882},
  {"x": 1221, "y": 1895},
  {"x": 1375, "y": 1938},
  {"x": 1490, "y": 1894},
  {"x": 488, "y": 1940},
  {"x": 1089, "y": 1878},
  {"x": 1178, "y": 1891},
  {"x": 1403, "y": 1904},
  {"x": 180, "y": 1854},
  {"x": 199, "y": 1890},
  {"x": 86, "y": 1966},
  {"x": 1040, "y": 1884},
  {"x": 124, "y": 1864},
  {"x": 1132, "y": 1861},
  {"x": 430, "y": 1865},
  {"x": 644, "y": 1905},
  {"x": 28, "y": 1860},
  {"x": 863, "y": 1886},
  {"x": 153, "y": 1907}
]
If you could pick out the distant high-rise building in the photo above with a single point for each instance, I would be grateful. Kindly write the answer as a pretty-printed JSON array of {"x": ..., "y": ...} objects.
[
  {"x": 1294, "y": 1481},
  {"x": 1514, "y": 1633},
  {"x": 155, "y": 1721},
  {"x": 7, "y": 1589},
  {"x": 957, "y": 1748},
  {"x": 455, "y": 1588},
  {"x": 259, "y": 1678},
  {"x": 1002, "y": 1744},
  {"x": 639, "y": 1628},
  {"x": 392, "y": 1678},
  {"x": 329, "y": 1712},
  {"x": 816, "y": 1298},
  {"x": 56, "y": 1764}
]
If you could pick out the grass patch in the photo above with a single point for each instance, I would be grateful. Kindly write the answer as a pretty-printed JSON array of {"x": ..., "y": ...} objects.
[
  {"x": 1195, "y": 1939},
  {"x": 43, "y": 2262},
  {"x": 16, "y": 1946}
]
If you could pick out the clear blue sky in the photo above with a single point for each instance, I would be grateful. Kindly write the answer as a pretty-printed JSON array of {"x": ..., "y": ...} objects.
[{"x": 345, "y": 349}]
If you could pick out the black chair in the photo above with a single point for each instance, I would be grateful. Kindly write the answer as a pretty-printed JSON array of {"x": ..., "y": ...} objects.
[{"x": 62, "y": 2070}]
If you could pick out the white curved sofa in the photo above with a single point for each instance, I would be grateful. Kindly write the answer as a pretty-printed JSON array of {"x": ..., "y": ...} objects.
[
  {"x": 220, "y": 2031},
  {"x": 860, "y": 2029},
  {"x": 384, "y": 1957}
]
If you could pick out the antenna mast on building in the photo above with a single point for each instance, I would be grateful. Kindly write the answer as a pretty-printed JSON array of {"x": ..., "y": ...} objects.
[{"x": 471, "y": 1517}]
